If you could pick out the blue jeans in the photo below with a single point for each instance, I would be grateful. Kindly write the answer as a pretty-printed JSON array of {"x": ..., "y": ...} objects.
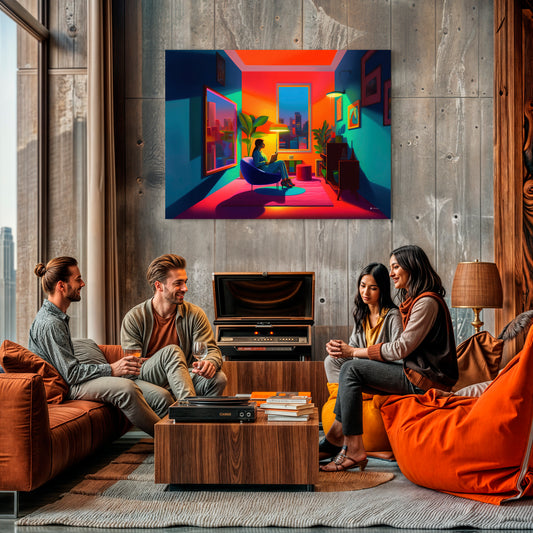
[
  {"x": 277, "y": 167},
  {"x": 373, "y": 377}
]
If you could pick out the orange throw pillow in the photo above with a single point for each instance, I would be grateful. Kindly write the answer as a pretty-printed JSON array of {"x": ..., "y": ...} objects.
[
  {"x": 477, "y": 448},
  {"x": 17, "y": 359},
  {"x": 478, "y": 359}
]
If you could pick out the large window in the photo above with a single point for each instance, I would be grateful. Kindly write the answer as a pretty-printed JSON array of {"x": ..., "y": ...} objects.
[
  {"x": 22, "y": 174},
  {"x": 294, "y": 111}
]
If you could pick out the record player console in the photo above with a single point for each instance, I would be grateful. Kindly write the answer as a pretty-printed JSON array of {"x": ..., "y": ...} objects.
[{"x": 264, "y": 316}]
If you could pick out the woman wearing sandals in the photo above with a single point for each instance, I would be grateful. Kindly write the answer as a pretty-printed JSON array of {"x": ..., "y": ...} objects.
[
  {"x": 426, "y": 347},
  {"x": 274, "y": 167},
  {"x": 376, "y": 318}
]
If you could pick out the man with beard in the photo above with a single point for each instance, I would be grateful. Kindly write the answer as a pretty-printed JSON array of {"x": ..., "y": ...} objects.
[
  {"x": 164, "y": 329},
  {"x": 50, "y": 339}
]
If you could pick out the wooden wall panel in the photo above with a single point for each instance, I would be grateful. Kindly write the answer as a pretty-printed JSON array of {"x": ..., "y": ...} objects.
[
  {"x": 68, "y": 175},
  {"x": 426, "y": 63},
  {"x": 245, "y": 24},
  {"x": 508, "y": 165},
  {"x": 413, "y": 170},
  {"x": 457, "y": 66},
  {"x": 68, "y": 33},
  {"x": 27, "y": 200},
  {"x": 413, "y": 48}
]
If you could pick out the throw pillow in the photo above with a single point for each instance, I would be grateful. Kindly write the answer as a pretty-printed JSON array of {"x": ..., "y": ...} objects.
[
  {"x": 477, "y": 448},
  {"x": 478, "y": 359},
  {"x": 87, "y": 351},
  {"x": 17, "y": 359}
]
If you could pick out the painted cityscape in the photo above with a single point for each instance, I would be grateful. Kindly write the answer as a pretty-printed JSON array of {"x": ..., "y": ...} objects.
[{"x": 324, "y": 119}]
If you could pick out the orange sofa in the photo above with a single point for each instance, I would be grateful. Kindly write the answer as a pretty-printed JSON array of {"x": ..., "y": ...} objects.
[{"x": 41, "y": 434}]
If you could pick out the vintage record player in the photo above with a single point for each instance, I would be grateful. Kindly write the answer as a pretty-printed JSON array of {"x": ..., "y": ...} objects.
[{"x": 264, "y": 316}]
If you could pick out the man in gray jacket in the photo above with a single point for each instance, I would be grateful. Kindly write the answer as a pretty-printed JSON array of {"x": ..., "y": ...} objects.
[
  {"x": 50, "y": 339},
  {"x": 164, "y": 329}
]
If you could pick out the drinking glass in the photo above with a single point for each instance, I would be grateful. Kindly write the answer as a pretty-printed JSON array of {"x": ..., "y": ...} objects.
[
  {"x": 199, "y": 350},
  {"x": 136, "y": 352}
]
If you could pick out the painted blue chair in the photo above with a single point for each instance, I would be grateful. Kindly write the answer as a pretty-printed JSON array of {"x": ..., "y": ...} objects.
[{"x": 256, "y": 176}]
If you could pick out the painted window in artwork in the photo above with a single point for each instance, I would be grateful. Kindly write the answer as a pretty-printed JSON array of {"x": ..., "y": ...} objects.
[{"x": 294, "y": 111}]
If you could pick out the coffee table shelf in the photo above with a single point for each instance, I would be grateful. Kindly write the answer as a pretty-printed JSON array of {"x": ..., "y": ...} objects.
[{"x": 257, "y": 453}]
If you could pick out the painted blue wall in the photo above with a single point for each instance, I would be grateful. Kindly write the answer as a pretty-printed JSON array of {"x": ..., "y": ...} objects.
[
  {"x": 187, "y": 73},
  {"x": 372, "y": 141}
]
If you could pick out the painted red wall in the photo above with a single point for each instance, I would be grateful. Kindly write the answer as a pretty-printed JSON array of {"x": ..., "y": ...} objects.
[{"x": 259, "y": 98}]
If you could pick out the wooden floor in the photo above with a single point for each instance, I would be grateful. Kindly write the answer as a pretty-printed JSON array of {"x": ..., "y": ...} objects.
[{"x": 63, "y": 483}]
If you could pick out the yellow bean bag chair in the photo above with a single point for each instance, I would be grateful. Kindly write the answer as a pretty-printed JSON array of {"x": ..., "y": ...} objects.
[{"x": 374, "y": 435}]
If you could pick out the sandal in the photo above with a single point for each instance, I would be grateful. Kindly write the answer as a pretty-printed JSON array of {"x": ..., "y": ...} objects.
[
  {"x": 327, "y": 449},
  {"x": 340, "y": 463}
]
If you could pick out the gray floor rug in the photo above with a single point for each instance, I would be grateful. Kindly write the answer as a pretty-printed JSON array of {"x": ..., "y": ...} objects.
[{"x": 136, "y": 502}]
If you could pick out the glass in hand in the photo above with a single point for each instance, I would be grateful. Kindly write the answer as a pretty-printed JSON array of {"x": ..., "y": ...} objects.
[{"x": 199, "y": 350}]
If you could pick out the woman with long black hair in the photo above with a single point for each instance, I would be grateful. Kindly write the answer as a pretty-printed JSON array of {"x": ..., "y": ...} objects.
[
  {"x": 426, "y": 347},
  {"x": 376, "y": 319}
]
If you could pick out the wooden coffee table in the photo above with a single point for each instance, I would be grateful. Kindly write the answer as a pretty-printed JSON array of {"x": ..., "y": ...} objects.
[{"x": 248, "y": 453}]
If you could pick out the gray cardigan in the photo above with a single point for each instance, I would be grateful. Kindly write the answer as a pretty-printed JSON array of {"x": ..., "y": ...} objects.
[{"x": 390, "y": 330}]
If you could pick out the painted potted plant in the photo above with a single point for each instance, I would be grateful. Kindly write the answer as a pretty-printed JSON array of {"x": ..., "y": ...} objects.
[
  {"x": 249, "y": 125},
  {"x": 322, "y": 136}
]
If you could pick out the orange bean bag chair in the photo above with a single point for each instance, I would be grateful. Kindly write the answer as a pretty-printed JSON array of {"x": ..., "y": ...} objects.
[
  {"x": 374, "y": 435},
  {"x": 477, "y": 448}
]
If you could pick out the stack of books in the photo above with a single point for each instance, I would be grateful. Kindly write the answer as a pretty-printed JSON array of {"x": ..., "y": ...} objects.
[{"x": 288, "y": 408}]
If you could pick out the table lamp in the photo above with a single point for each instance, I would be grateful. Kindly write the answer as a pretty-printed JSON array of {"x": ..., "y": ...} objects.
[{"x": 477, "y": 285}]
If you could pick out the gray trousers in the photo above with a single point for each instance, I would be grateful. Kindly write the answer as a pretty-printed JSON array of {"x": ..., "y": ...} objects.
[
  {"x": 145, "y": 399},
  {"x": 122, "y": 393},
  {"x": 373, "y": 377},
  {"x": 168, "y": 368}
]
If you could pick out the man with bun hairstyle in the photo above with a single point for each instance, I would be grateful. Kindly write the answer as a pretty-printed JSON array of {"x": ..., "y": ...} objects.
[
  {"x": 50, "y": 339},
  {"x": 165, "y": 327}
]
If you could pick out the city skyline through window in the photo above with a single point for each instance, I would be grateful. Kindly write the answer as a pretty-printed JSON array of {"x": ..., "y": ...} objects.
[
  {"x": 8, "y": 177},
  {"x": 293, "y": 111}
]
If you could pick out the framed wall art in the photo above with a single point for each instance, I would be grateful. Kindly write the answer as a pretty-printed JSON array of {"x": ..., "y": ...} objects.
[
  {"x": 354, "y": 115},
  {"x": 220, "y": 105}
]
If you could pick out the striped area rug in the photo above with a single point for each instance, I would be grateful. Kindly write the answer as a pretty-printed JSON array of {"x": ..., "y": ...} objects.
[{"x": 123, "y": 495}]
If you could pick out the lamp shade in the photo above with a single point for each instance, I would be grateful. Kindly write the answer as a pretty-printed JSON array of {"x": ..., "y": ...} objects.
[
  {"x": 334, "y": 94},
  {"x": 477, "y": 285},
  {"x": 278, "y": 128}
]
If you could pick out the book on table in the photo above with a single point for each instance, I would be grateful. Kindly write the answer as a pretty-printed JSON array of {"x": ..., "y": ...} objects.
[
  {"x": 288, "y": 406},
  {"x": 303, "y": 397},
  {"x": 282, "y": 418},
  {"x": 289, "y": 412}
]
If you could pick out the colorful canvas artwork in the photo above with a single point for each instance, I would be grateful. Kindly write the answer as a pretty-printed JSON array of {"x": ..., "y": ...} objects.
[{"x": 219, "y": 103}]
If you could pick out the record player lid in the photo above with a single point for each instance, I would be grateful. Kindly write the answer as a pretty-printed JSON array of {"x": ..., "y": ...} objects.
[{"x": 264, "y": 296}]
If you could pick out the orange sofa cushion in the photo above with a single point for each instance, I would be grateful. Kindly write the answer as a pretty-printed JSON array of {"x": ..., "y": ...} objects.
[
  {"x": 17, "y": 359},
  {"x": 477, "y": 448},
  {"x": 478, "y": 359}
]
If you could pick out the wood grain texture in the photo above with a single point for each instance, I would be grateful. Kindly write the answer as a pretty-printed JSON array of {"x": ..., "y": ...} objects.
[
  {"x": 413, "y": 157},
  {"x": 457, "y": 65},
  {"x": 335, "y": 250},
  {"x": 256, "y": 453},
  {"x": 27, "y": 200},
  {"x": 246, "y": 24},
  {"x": 527, "y": 175},
  {"x": 458, "y": 193},
  {"x": 68, "y": 29},
  {"x": 282, "y": 376},
  {"x": 68, "y": 176},
  {"x": 508, "y": 112},
  {"x": 413, "y": 44}
]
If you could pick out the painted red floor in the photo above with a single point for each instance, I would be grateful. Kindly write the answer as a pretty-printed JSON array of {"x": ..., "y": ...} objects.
[{"x": 213, "y": 206}]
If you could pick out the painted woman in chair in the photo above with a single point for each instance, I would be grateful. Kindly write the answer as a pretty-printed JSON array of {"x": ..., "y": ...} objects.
[
  {"x": 426, "y": 348},
  {"x": 376, "y": 319},
  {"x": 272, "y": 167}
]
